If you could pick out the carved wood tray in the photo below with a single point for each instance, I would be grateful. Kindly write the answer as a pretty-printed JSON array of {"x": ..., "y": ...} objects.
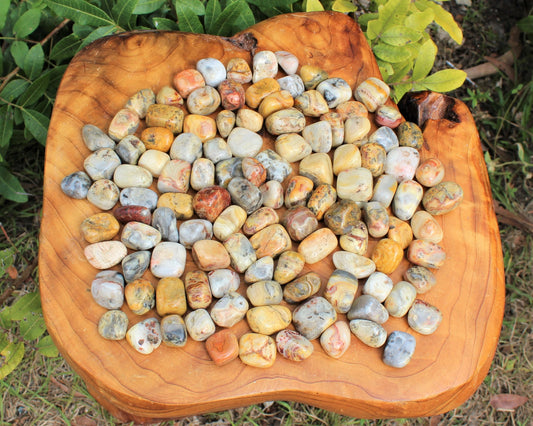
[{"x": 447, "y": 366}]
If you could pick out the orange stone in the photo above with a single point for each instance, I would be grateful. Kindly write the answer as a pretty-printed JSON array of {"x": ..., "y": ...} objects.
[
  {"x": 158, "y": 138},
  {"x": 210, "y": 255},
  {"x": 260, "y": 90},
  {"x": 222, "y": 347},
  {"x": 202, "y": 126},
  {"x": 188, "y": 81},
  {"x": 352, "y": 109},
  {"x": 275, "y": 102},
  {"x": 271, "y": 241},
  {"x": 170, "y": 297},
  {"x": 387, "y": 255}
]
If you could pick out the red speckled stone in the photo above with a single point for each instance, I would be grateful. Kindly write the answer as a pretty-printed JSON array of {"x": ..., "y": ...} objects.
[
  {"x": 254, "y": 171},
  {"x": 231, "y": 94},
  {"x": 127, "y": 214},
  {"x": 209, "y": 202}
]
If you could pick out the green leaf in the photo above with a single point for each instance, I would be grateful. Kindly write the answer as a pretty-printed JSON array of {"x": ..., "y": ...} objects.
[
  {"x": 7, "y": 258},
  {"x": 81, "y": 12},
  {"x": 401, "y": 69},
  {"x": 444, "y": 80},
  {"x": 46, "y": 347},
  {"x": 343, "y": 6},
  {"x": 98, "y": 33},
  {"x": 425, "y": 60},
  {"x": 122, "y": 11},
  {"x": 273, "y": 7},
  {"x": 6, "y": 125},
  {"x": 10, "y": 357},
  {"x": 188, "y": 20},
  {"x": 35, "y": 91},
  {"x": 391, "y": 54},
  {"x": 145, "y": 7},
  {"x": 33, "y": 62},
  {"x": 526, "y": 24},
  {"x": 400, "y": 90},
  {"x": 27, "y": 23},
  {"x": 442, "y": 18},
  {"x": 23, "y": 307},
  {"x": 390, "y": 14},
  {"x": 195, "y": 6},
  {"x": 19, "y": 50},
  {"x": 313, "y": 6},
  {"x": 10, "y": 187},
  {"x": 365, "y": 19},
  {"x": 419, "y": 20},
  {"x": 224, "y": 23},
  {"x": 37, "y": 124},
  {"x": 32, "y": 326},
  {"x": 13, "y": 89},
  {"x": 212, "y": 11},
  {"x": 165, "y": 24},
  {"x": 65, "y": 48},
  {"x": 4, "y": 9},
  {"x": 245, "y": 19},
  {"x": 399, "y": 35},
  {"x": 81, "y": 31},
  {"x": 5, "y": 319}
]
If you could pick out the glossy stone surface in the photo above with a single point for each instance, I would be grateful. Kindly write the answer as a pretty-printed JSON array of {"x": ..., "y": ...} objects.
[
  {"x": 313, "y": 317},
  {"x": 400, "y": 231},
  {"x": 105, "y": 254},
  {"x": 210, "y": 255},
  {"x": 174, "y": 177},
  {"x": 264, "y": 65},
  {"x": 186, "y": 147},
  {"x": 145, "y": 336},
  {"x": 384, "y": 190},
  {"x": 173, "y": 331},
  {"x": 321, "y": 199},
  {"x": 409, "y": 134},
  {"x": 256, "y": 92},
  {"x": 125, "y": 214},
  {"x": 292, "y": 84},
  {"x": 130, "y": 149},
  {"x": 101, "y": 164},
  {"x": 170, "y": 297},
  {"x": 107, "y": 289},
  {"x": 124, "y": 123},
  {"x": 245, "y": 194},
  {"x": 368, "y": 307},
  {"x": 113, "y": 325},
  {"x": 217, "y": 149},
  {"x": 213, "y": 71},
  {"x": 355, "y": 184},
  {"x": 154, "y": 161},
  {"x": 376, "y": 219},
  {"x": 244, "y": 142},
  {"x": 302, "y": 288},
  {"x": 388, "y": 116},
  {"x": 319, "y": 136},
  {"x": 138, "y": 197},
  {"x": 277, "y": 168},
  {"x": 268, "y": 319},
  {"x": 402, "y": 162},
  {"x": 223, "y": 281},
  {"x": 139, "y": 236},
  {"x": 194, "y": 230},
  {"x": 229, "y": 310},
  {"x": 292, "y": 147},
  {"x": 399, "y": 349},
  {"x": 335, "y": 91},
  {"x": 275, "y": 102},
  {"x": 231, "y": 94},
  {"x": 199, "y": 325},
  {"x": 318, "y": 245},
  {"x": 272, "y": 191},
  {"x": 76, "y": 185},
  {"x": 430, "y": 172},
  {"x": 157, "y": 138},
  {"x": 287, "y": 61},
  {"x": 355, "y": 241},
  {"x": 99, "y": 227},
  {"x": 253, "y": 171},
  {"x": 202, "y": 126},
  {"x": 238, "y": 70},
  {"x": 299, "y": 222},
  {"x": 426, "y": 253},
  {"x": 134, "y": 265},
  {"x": 164, "y": 220},
  {"x": 225, "y": 170},
  {"x": 346, "y": 157},
  {"x": 387, "y": 255},
  {"x": 421, "y": 278},
  {"x": 352, "y": 109},
  {"x": 312, "y": 75},
  {"x": 240, "y": 251},
  {"x": 442, "y": 198},
  {"x": 356, "y": 130},
  {"x": 400, "y": 299},
  {"x": 289, "y": 120},
  {"x": 385, "y": 137},
  {"x": 406, "y": 199},
  {"x": 372, "y": 92},
  {"x": 369, "y": 332},
  {"x": 342, "y": 216},
  {"x": 425, "y": 227},
  {"x": 222, "y": 347},
  {"x": 197, "y": 290},
  {"x": 340, "y": 290},
  {"x": 181, "y": 204},
  {"x": 335, "y": 340},
  {"x": 188, "y": 80},
  {"x": 140, "y": 296},
  {"x": 95, "y": 139},
  {"x": 357, "y": 265},
  {"x": 337, "y": 127},
  {"x": 271, "y": 241},
  {"x": 423, "y": 317},
  {"x": 169, "y": 96},
  {"x": 373, "y": 157},
  {"x": 168, "y": 260},
  {"x": 168, "y": 116},
  {"x": 229, "y": 222},
  {"x": 290, "y": 264},
  {"x": 260, "y": 219},
  {"x": 378, "y": 285},
  {"x": 311, "y": 103},
  {"x": 266, "y": 292},
  {"x": 293, "y": 346},
  {"x": 257, "y": 350},
  {"x": 129, "y": 175},
  {"x": 262, "y": 269},
  {"x": 209, "y": 202}
]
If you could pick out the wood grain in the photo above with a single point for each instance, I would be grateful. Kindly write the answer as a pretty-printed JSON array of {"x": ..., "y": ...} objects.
[{"x": 447, "y": 366}]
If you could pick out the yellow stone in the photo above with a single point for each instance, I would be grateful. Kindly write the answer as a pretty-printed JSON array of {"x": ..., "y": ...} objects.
[
  {"x": 260, "y": 90},
  {"x": 99, "y": 227},
  {"x": 318, "y": 168},
  {"x": 180, "y": 203},
  {"x": 400, "y": 232},
  {"x": 387, "y": 255},
  {"x": 229, "y": 222},
  {"x": 257, "y": 350},
  {"x": 140, "y": 296},
  {"x": 202, "y": 126},
  {"x": 271, "y": 241},
  {"x": 158, "y": 138},
  {"x": 318, "y": 245},
  {"x": 346, "y": 157},
  {"x": 312, "y": 75},
  {"x": 275, "y": 102},
  {"x": 290, "y": 264},
  {"x": 170, "y": 296},
  {"x": 168, "y": 116},
  {"x": 355, "y": 129},
  {"x": 268, "y": 319},
  {"x": 311, "y": 103},
  {"x": 249, "y": 119},
  {"x": 352, "y": 109}
]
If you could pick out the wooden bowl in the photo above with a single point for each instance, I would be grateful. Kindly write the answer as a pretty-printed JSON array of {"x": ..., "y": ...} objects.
[{"x": 447, "y": 366}]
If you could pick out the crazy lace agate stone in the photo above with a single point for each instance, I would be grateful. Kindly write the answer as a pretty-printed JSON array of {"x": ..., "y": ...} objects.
[
  {"x": 222, "y": 347},
  {"x": 378, "y": 285},
  {"x": 287, "y": 61},
  {"x": 289, "y": 120},
  {"x": 210, "y": 255},
  {"x": 292, "y": 147},
  {"x": 202, "y": 126},
  {"x": 241, "y": 252},
  {"x": 421, "y": 278},
  {"x": 423, "y": 317},
  {"x": 223, "y": 282},
  {"x": 134, "y": 265},
  {"x": 113, "y": 325},
  {"x": 425, "y": 227},
  {"x": 199, "y": 325},
  {"x": 442, "y": 198},
  {"x": 388, "y": 116},
  {"x": 337, "y": 127},
  {"x": 312, "y": 75},
  {"x": 368, "y": 307},
  {"x": 180, "y": 203},
  {"x": 168, "y": 259},
  {"x": 173, "y": 331},
  {"x": 253, "y": 171},
  {"x": 204, "y": 100},
  {"x": 385, "y": 137},
  {"x": 275, "y": 102},
  {"x": 400, "y": 299},
  {"x": 319, "y": 136},
  {"x": 129, "y": 175},
  {"x": 409, "y": 134},
  {"x": 95, "y": 139},
  {"x": 154, "y": 161},
  {"x": 430, "y": 172},
  {"x": 107, "y": 289},
  {"x": 293, "y": 346},
  {"x": 335, "y": 340},
  {"x": 170, "y": 297},
  {"x": 369, "y": 332},
  {"x": 140, "y": 296},
  {"x": 255, "y": 93},
  {"x": 355, "y": 184},
  {"x": 335, "y": 91},
  {"x": 373, "y": 157},
  {"x": 290, "y": 264},
  {"x": 175, "y": 177},
  {"x": 356, "y": 130},
  {"x": 262, "y": 269},
  {"x": 209, "y": 202},
  {"x": 355, "y": 241},
  {"x": 103, "y": 194},
  {"x": 299, "y": 222},
  {"x": 311, "y": 103},
  {"x": 406, "y": 199},
  {"x": 342, "y": 216},
  {"x": 197, "y": 290},
  {"x": 265, "y": 65},
  {"x": 164, "y": 220},
  {"x": 292, "y": 84},
  {"x": 340, "y": 290},
  {"x": 271, "y": 241},
  {"x": 229, "y": 310},
  {"x": 277, "y": 168},
  {"x": 321, "y": 199},
  {"x": 217, "y": 149},
  {"x": 426, "y": 253},
  {"x": 99, "y": 227},
  {"x": 187, "y": 81},
  {"x": 402, "y": 162},
  {"x": 158, "y": 138},
  {"x": 318, "y": 168},
  {"x": 225, "y": 170},
  {"x": 130, "y": 149},
  {"x": 399, "y": 349},
  {"x": 318, "y": 245},
  {"x": 346, "y": 157},
  {"x": 194, "y": 230},
  {"x": 168, "y": 96},
  {"x": 105, "y": 254},
  {"x": 245, "y": 194},
  {"x": 268, "y": 319},
  {"x": 272, "y": 194},
  {"x": 186, "y": 147},
  {"x": 350, "y": 109},
  {"x": 213, "y": 71},
  {"x": 239, "y": 71},
  {"x": 124, "y": 123},
  {"x": 229, "y": 222},
  {"x": 140, "y": 236},
  {"x": 400, "y": 231},
  {"x": 101, "y": 164},
  {"x": 384, "y": 190},
  {"x": 311, "y": 318},
  {"x": 257, "y": 350},
  {"x": 76, "y": 185},
  {"x": 302, "y": 288},
  {"x": 244, "y": 143},
  {"x": 387, "y": 255},
  {"x": 140, "y": 102},
  {"x": 125, "y": 214},
  {"x": 376, "y": 219},
  {"x": 145, "y": 336},
  {"x": 266, "y": 292},
  {"x": 372, "y": 92}
]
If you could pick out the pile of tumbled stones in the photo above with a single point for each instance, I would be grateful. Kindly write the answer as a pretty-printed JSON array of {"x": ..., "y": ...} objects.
[{"x": 215, "y": 180}]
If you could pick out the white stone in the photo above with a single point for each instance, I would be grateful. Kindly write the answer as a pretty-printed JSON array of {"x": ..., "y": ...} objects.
[
  {"x": 168, "y": 260},
  {"x": 244, "y": 143}
]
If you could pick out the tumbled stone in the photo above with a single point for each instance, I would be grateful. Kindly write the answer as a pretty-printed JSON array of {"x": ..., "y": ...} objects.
[
  {"x": 368, "y": 307},
  {"x": 213, "y": 71},
  {"x": 425, "y": 227},
  {"x": 373, "y": 92},
  {"x": 130, "y": 149},
  {"x": 271, "y": 241},
  {"x": 261, "y": 270},
  {"x": 164, "y": 220},
  {"x": 292, "y": 147},
  {"x": 181, "y": 204},
  {"x": 229, "y": 222},
  {"x": 426, "y": 253},
  {"x": 378, "y": 285},
  {"x": 140, "y": 102},
  {"x": 257, "y": 350},
  {"x": 402, "y": 162},
  {"x": 351, "y": 109},
  {"x": 231, "y": 95},
  {"x": 105, "y": 254},
  {"x": 140, "y": 296},
  {"x": 409, "y": 134},
  {"x": 129, "y": 175},
  {"x": 293, "y": 346},
  {"x": 173, "y": 331},
  {"x": 209, "y": 202},
  {"x": 154, "y": 161},
  {"x": 400, "y": 232},
  {"x": 95, "y": 139},
  {"x": 168, "y": 96},
  {"x": 225, "y": 121},
  {"x": 312, "y": 75},
  {"x": 340, "y": 290},
  {"x": 244, "y": 143},
  {"x": 204, "y": 100},
  {"x": 268, "y": 319},
  {"x": 134, "y": 265},
  {"x": 265, "y": 65},
  {"x": 373, "y": 157},
  {"x": 376, "y": 219},
  {"x": 298, "y": 191},
  {"x": 265, "y": 292},
  {"x": 226, "y": 170},
  {"x": 140, "y": 236},
  {"x": 423, "y": 317},
  {"x": 321, "y": 199},
  {"x": 289, "y": 120},
  {"x": 216, "y": 150},
  {"x": 430, "y": 172},
  {"x": 292, "y": 84},
  {"x": 240, "y": 251},
  {"x": 255, "y": 93},
  {"x": 369, "y": 332},
  {"x": 99, "y": 227},
  {"x": 175, "y": 177},
  {"x": 387, "y": 255},
  {"x": 188, "y": 80},
  {"x": 124, "y": 123},
  {"x": 138, "y": 197},
  {"x": 107, "y": 289},
  {"x": 210, "y": 255},
  {"x": 355, "y": 184},
  {"x": 101, "y": 164},
  {"x": 168, "y": 260},
  {"x": 145, "y": 336},
  {"x": 318, "y": 245},
  {"x": 113, "y": 325},
  {"x": 356, "y": 129},
  {"x": 346, "y": 157},
  {"x": 302, "y": 288},
  {"x": 406, "y": 199},
  {"x": 319, "y": 136},
  {"x": 260, "y": 219},
  {"x": 384, "y": 190},
  {"x": 245, "y": 194},
  {"x": 76, "y": 185},
  {"x": 337, "y": 127},
  {"x": 399, "y": 349},
  {"x": 199, "y": 325},
  {"x": 299, "y": 222},
  {"x": 229, "y": 310},
  {"x": 170, "y": 296},
  {"x": 277, "y": 168},
  {"x": 223, "y": 282},
  {"x": 311, "y": 318},
  {"x": 103, "y": 194},
  {"x": 194, "y": 230},
  {"x": 400, "y": 299},
  {"x": 249, "y": 119},
  {"x": 335, "y": 340},
  {"x": 197, "y": 289},
  {"x": 275, "y": 102},
  {"x": 311, "y": 103},
  {"x": 357, "y": 265},
  {"x": 238, "y": 70},
  {"x": 421, "y": 278},
  {"x": 442, "y": 198},
  {"x": 342, "y": 217},
  {"x": 202, "y": 126},
  {"x": 125, "y": 214},
  {"x": 254, "y": 171},
  {"x": 287, "y": 61},
  {"x": 186, "y": 147},
  {"x": 222, "y": 347},
  {"x": 272, "y": 194},
  {"x": 335, "y": 91},
  {"x": 290, "y": 264},
  {"x": 318, "y": 168},
  {"x": 168, "y": 116}
]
